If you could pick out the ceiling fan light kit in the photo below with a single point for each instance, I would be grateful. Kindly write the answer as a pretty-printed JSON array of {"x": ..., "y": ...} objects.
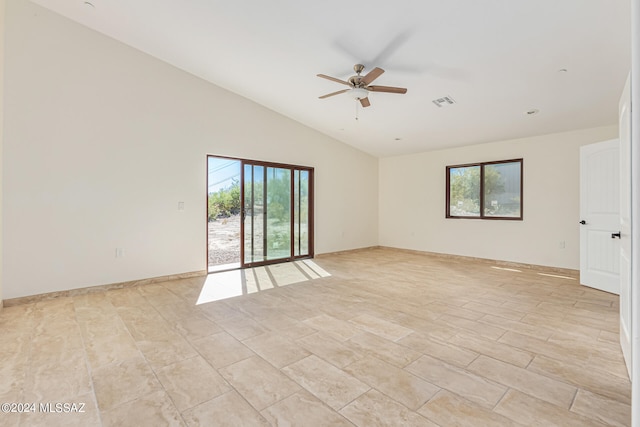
[
  {"x": 359, "y": 93},
  {"x": 359, "y": 85}
]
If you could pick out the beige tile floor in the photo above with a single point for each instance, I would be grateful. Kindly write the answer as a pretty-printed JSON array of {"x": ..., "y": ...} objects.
[{"x": 369, "y": 338}]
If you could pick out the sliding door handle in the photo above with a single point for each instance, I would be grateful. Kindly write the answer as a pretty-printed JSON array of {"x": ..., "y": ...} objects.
[{"x": 614, "y": 235}]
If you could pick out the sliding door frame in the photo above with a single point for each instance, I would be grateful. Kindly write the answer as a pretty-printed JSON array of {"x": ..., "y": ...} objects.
[
  {"x": 292, "y": 169},
  {"x": 311, "y": 209}
]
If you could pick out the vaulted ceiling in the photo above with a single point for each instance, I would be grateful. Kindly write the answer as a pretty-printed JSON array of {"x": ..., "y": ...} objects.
[{"x": 513, "y": 68}]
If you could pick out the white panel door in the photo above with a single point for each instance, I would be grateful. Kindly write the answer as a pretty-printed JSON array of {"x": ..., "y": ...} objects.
[
  {"x": 625, "y": 224},
  {"x": 600, "y": 217}
]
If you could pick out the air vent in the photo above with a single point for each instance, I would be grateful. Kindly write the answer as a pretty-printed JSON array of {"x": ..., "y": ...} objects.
[{"x": 445, "y": 100}]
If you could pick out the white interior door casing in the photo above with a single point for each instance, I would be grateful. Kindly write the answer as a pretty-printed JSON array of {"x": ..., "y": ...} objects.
[
  {"x": 599, "y": 209},
  {"x": 635, "y": 211},
  {"x": 625, "y": 223}
]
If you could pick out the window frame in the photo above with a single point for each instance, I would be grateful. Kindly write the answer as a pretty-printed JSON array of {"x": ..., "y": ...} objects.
[{"x": 482, "y": 214}]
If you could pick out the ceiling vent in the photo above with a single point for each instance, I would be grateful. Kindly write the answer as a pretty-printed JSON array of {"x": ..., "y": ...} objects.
[{"x": 445, "y": 100}]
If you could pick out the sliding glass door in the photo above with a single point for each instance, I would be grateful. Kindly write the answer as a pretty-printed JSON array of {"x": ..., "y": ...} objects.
[
  {"x": 224, "y": 206},
  {"x": 253, "y": 214},
  {"x": 301, "y": 212},
  {"x": 276, "y": 212}
]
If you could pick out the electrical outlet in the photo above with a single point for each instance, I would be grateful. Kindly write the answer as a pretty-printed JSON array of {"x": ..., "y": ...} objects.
[
  {"x": 562, "y": 244},
  {"x": 180, "y": 206},
  {"x": 119, "y": 252}
]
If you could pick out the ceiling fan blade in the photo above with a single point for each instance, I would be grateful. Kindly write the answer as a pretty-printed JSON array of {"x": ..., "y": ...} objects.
[
  {"x": 372, "y": 75},
  {"x": 388, "y": 89},
  {"x": 334, "y": 93},
  {"x": 364, "y": 102},
  {"x": 333, "y": 79}
]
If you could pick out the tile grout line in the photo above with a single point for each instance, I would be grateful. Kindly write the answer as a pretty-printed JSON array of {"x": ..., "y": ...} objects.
[{"x": 88, "y": 364}]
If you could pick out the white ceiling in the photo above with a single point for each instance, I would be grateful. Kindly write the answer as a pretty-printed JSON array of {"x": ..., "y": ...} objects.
[{"x": 497, "y": 59}]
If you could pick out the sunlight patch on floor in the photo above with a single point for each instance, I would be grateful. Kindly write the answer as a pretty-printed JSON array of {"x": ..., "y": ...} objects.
[
  {"x": 507, "y": 269},
  {"x": 558, "y": 276},
  {"x": 229, "y": 284},
  {"x": 223, "y": 267}
]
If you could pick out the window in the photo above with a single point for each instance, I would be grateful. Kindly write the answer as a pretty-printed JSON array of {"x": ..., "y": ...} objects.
[{"x": 490, "y": 190}]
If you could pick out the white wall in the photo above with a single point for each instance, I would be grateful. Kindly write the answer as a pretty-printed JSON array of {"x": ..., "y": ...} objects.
[
  {"x": 103, "y": 141},
  {"x": 2, "y": 7},
  {"x": 412, "y": 201}
]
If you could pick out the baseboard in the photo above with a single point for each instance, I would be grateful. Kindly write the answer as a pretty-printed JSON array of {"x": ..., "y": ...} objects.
[
  {"x": 30, "y": 299},
  {"x": 496, "y": 262},
  {"x": 346, "y": 251}
]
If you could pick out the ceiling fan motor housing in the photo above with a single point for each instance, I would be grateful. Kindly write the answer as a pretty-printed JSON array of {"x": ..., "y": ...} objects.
[{"x": 356, "y": 81}]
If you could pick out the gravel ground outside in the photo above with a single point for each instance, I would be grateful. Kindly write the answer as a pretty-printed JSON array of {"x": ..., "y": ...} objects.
[{"x": 224, "y": 241}]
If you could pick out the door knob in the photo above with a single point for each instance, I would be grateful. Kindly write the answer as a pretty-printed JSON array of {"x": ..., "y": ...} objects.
[
  {"x": 614, "y": 235},
  {"x": 583, "y": 222}
]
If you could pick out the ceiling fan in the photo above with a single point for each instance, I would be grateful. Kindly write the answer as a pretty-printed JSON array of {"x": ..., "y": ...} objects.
[{"x": 359, "y": 85}]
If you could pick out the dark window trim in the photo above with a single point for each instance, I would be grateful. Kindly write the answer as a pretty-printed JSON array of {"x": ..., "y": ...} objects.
[
  {"x": 482, "y": 215},
  {"x": 291, "y": 168},
  {"x": 311, "y": 208}
]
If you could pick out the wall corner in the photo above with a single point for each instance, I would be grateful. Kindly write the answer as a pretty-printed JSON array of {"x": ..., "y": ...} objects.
[{"x": 2, "y": 33}]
